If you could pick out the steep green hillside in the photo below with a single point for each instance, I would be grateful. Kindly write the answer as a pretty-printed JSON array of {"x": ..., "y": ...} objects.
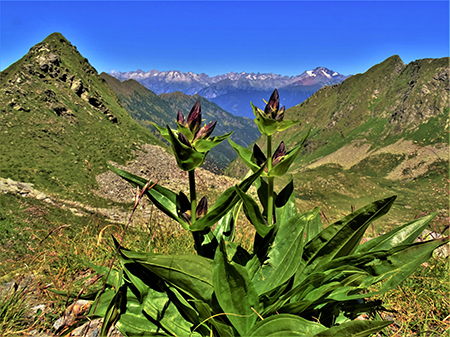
[
  {"x": 60, "y": 122},
  {"x": 376, "y": 134},
  {"x": 145, "y": 107}
]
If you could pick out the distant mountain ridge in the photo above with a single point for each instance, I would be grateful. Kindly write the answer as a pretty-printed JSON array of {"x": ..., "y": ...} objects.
[
  {"x": 233, "y": 91},
  {"x": 145, "y": 107}
]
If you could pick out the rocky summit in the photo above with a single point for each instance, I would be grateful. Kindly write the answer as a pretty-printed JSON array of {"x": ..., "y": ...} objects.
[{"x": 60, "y": 122}]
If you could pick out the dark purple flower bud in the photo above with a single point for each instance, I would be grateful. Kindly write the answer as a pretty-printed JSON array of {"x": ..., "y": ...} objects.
[
  {"x": 202, "y": 208},
  {"x": 280, "y": 114},
  {"x": 279, "y": 153},
  {"x": 182, "y": 138},
  {"x": 259, "y": 155},
  {"x": 184, "y": 207},
  {"x": 205, "y": 131},
  {"x": 194, "y": 120},
  {"x": 273, "y": 105},
  {"x": 180, "y": 119},
  {"x": 187, "y": 216}
]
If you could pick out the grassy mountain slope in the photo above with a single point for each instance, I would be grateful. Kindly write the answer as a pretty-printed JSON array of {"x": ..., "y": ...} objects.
[
  {"x": 376, "y": 134},
  {"x": 145, "y": 107},
  {"x": 60, "y": 122}
]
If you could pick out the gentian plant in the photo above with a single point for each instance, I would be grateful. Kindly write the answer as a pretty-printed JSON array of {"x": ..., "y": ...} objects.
[{"x": 298, "y": 279}]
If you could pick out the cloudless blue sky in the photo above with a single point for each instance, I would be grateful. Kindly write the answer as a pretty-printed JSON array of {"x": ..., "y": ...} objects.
[{"x": 217, "y": 37}]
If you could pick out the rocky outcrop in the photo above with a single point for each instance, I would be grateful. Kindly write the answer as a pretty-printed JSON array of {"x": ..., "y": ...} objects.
[{"x": 45, "y": 64}]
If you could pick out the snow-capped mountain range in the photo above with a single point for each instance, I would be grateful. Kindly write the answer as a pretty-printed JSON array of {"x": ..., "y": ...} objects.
[{"x": 234, "y": 91}]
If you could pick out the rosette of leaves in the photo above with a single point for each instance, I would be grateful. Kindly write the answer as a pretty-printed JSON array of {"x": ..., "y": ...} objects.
[
  {"x": 299, "y": 279},
  {"x": 191, "y": 142}
]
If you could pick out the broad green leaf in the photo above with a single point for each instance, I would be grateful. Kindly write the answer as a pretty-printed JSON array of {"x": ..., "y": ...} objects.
[
  {"x": 226, "y": 227},
  {"x": 187, "y": 310},
  {"x": 102, "y": 302},
  {"x": 187, "y": 158},
  {"x": 191, "y": 274},
  {"x": 114, "y": 310},
  {"x": 343, "y": 237},
  {"x": 263, "y": 193},
  {"x": 391, "y": 266},
  {"x": 223, "y": 329},
  {"x": 314, "y": 227},
  {"x": 134, "y": 325},
  {"x": 285, "y": 207},
  {"x": 285, "y": 325},
  {"x": 237, "y": 254},
  {"x": 224, "y": 203},
  {"x": 161, "y": 197},
  {"x": 354, "y": 329},
  {"x": 133, "y": 322},
  {"x": 204, "y": 145},
  {"x": 284, "y": 257},
  {"x": 251, "y": 210},
  {"x": 159, "y": 306},
  {"x": 405, "y": 234},
  {"x": 234, "y": 291},
  {"x": 245, "y": 155}
]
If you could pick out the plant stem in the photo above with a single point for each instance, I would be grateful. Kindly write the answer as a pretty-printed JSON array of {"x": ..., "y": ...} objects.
[
  {"x": 269, "y": 182},
  {"x": 193, "y": 195}
]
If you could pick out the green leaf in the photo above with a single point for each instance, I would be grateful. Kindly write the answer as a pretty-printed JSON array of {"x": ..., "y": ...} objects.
[
  {"x": 285, "y": 207},
  {"x": 391, "y": 266},
  {"x": 354, "y": 329},
  {"x": 161, "y": 197},
  {"x": 226, "y": 227},
  {"x": 245, "y": 155},
  {"x": 133, "y": 325},
  {"x": 314, "y": 227},
  {"x": 114, "y": 274},
  {"x": 223, "y": 329},
  {"x": 185, "y": 131},
  {"x": 282, "y": 167},
  {"x": 187, "y": 158},
  {"x": 401, "y": 235},
  {"x": 286, "y": 123},
  {"x": 163, "y": 131},
  {"x": 114, "y": 310},
  {"x": 285, "y": 325},
  {"x": 132, "y": 322},
  {"x": 191, "y": 274},
  {"x": 253, "y": 213},
  {"x": 224, "y": 203},
  {"x": 284, "y": 257},
  {"x": 205, "y": 145},
  {"x": 266, "y": 126},
  {"x": 103, "y": 301},
  {"x": 159, "y": 306},
  {"x": 343, "y": 237},
  {"x": 234, "y": 291}
]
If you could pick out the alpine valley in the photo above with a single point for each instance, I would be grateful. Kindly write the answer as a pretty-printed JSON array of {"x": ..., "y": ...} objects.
[{"x": 372, "y": 135}]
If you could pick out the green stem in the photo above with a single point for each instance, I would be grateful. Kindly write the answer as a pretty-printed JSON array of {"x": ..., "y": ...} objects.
[
  {"x": 269, "y": 182},
  {"x": 193, "y": 195}
]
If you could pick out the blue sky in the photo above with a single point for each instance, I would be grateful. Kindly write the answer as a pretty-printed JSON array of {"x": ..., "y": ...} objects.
[{"x": 217, "y": 37}]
